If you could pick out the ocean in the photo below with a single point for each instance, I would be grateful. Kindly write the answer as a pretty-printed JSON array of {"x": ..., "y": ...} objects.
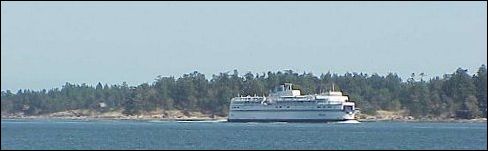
[{"x": 124, "y": 134}]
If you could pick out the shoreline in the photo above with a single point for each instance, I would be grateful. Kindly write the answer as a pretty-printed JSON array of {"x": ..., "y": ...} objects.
[
  {"x": 83, "y": 114},
  {"x": 135, "y": 118},
  {"x": 108, "y": 119},
  {"x": 181, "y": 115},
  {"x": 479, "y": 120}
]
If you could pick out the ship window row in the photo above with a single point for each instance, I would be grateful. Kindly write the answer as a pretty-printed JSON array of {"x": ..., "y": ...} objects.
[
  {"x": 249, "y": 99},
  {"x": 248, "y": 102},
  {"x": 258, "y": 102},
  {"x": 281, "y": 106},
  {"x": 290, "y": 102},
  {"x": 235, "y": 107},
  {"x": 287, "y": 101},
  {"x": 326, "y": 107}
]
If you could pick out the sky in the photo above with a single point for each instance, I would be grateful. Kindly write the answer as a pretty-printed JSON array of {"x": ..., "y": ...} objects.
[{"x": 46, "y": 44}]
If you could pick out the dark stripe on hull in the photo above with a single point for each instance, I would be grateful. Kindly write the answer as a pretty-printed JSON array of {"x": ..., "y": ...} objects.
[{"x": 287, "y": 120}]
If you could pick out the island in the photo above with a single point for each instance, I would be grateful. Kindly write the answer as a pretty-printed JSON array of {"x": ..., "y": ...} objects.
[{"x": 452, "y": 97}]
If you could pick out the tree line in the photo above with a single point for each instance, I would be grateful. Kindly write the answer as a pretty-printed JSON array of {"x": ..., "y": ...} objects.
[{"x": 456, "y": 95}]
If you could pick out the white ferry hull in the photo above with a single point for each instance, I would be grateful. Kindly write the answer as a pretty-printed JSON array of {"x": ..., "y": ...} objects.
[
  {"x": 289, "y": 116},
  {"x": 287, "y": 105}
]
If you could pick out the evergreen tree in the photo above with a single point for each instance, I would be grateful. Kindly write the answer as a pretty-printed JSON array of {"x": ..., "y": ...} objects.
[{"x": 481, "y": 84}]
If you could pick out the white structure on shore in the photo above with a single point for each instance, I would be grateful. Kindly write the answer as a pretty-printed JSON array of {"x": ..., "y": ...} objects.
[{"x": 288, "y": 105}]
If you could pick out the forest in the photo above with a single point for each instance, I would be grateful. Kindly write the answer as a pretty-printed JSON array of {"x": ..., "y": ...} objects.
[{"x": 456, "y": 95}]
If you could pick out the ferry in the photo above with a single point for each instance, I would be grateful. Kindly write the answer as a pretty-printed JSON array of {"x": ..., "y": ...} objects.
[{"x": 285, "y": 104}]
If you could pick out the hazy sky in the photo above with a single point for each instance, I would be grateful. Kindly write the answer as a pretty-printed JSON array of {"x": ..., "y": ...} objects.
[{"x": 46, "y": 44}]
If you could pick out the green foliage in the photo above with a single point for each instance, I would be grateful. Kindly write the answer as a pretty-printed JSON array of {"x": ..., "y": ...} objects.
[
  {"x": 470, "y": 108},
  {"x": 454, "y": 95},
  {"x": 481, "y": 84},
  {"x": 131, "y": 108}
]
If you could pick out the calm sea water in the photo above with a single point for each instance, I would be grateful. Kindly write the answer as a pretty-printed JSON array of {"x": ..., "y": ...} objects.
[{"x": 70, "y": 134}]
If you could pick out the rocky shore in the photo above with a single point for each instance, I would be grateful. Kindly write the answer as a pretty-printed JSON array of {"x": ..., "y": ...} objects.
[
  {"x": 179, "y": 115},
  {"x": 402, "y": 116},
  {"x": 117, "y": 115}
]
